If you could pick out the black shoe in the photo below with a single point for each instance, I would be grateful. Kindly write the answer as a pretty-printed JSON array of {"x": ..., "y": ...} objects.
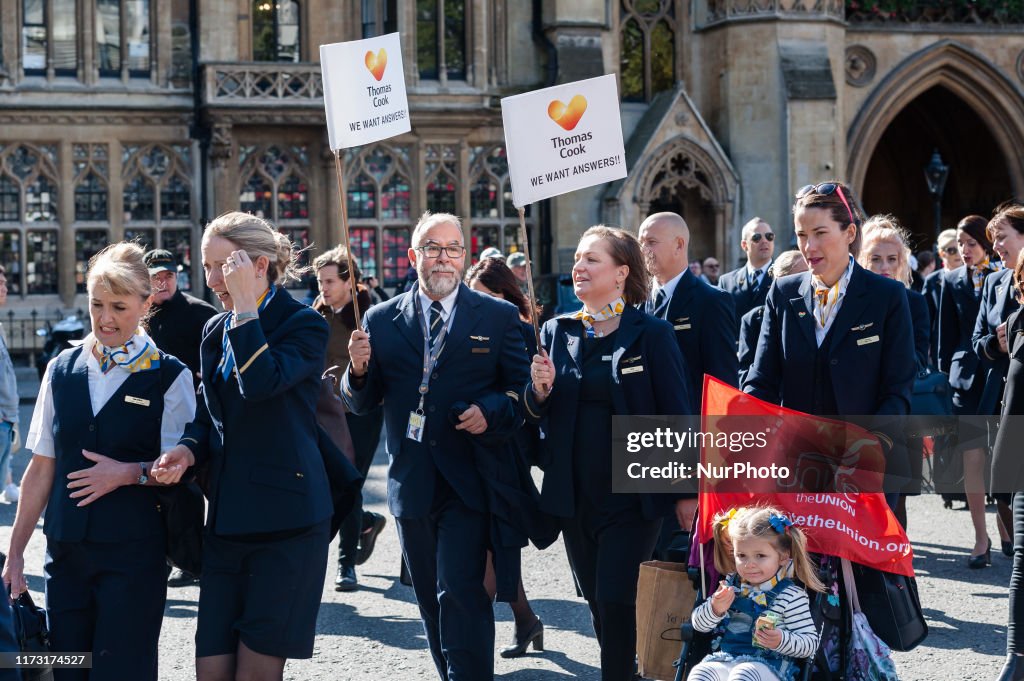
[
  {"x": 181, "y": 578},
  {"x": 520, "y": 643},
  {"x": 346, "y": 579},
  {"x": 1013, "y": 670},
  {"x": 403, "y": 574},
  {"x": 369, "y": 537},
  {"x": 1008, "y": 549},
  {"x": 983, "y": 560}
]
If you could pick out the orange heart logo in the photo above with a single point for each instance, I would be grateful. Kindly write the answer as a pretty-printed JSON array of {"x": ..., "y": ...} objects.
[
  {"x": 568, "y": 116},
  {"x": 376, "y": 65}
]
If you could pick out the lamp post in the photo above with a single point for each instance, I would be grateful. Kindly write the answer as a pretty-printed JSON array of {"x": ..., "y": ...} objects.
[{"x": 935, "y": 174}]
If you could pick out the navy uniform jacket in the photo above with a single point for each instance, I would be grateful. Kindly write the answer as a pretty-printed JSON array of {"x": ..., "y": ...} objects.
[
  {"x": 922, "y": 326},
  {"x": 958, "y": 313},
  {"x": 257, "y": 433},
  {"x": 997, "y": 304},
  {"x": 1007, "y": 464},
  {"x": 750, "y": 330},
  {"x": 647, "y": 378},
  {"x": 483, "y": 362},
  {"x": 871, "y": 350},
  {"x": 932, "y": 291},
  {"x": 744, "y": 298},
  {"x": 704, "y": 320}
]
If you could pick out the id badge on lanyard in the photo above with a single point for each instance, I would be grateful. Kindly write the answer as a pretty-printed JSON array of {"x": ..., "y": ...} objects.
[{"x": 417, "y": 420}]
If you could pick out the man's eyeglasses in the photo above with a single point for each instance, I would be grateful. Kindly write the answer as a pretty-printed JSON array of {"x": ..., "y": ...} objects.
[
  {"x": 770, "y": 236},
  {"x": 434, "y": 251},
  {"x": 826, "y": 188}
]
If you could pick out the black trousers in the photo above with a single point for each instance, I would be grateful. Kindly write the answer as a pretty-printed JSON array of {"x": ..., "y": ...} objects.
[
  {"x": 446, "y": 555},
  {"x": 108, "y": 598},
  {"x": 605, "y": 555},
  {"x": 365, "y": 432},
  {"x": 1015, "y": 628}
]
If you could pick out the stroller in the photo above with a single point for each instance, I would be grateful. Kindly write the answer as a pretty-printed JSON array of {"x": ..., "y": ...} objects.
[{"x": 829, "y": 609}]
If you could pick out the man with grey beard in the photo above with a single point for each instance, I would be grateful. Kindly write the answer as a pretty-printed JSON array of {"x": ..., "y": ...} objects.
[{"x": 448, "y": 363}]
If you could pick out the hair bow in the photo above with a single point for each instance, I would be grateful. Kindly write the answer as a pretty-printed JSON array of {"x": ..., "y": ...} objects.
[
  {"x": 727, "y": 517},
  {"x": 779, "y": 523}
]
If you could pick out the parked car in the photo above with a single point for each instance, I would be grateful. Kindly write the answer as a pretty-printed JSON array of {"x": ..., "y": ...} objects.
[{"x": 555, "y": 295}]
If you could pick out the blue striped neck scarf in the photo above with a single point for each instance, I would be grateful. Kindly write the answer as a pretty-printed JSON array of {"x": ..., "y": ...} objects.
[
  {"x": 227, "y": 355},
  {"x": 757, "y": 592}
]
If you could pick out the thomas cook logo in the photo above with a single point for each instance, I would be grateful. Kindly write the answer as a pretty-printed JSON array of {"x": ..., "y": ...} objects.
[
  {"x": 567, "y": 116},
  {"x": 376, "y": 64}
]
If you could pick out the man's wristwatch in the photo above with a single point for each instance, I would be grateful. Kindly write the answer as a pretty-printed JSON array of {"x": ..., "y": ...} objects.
[{"x": 143, "y": 475}]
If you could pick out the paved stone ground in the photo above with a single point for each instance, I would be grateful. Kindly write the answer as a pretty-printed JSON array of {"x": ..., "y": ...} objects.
[{"x": 375, "y": 633}]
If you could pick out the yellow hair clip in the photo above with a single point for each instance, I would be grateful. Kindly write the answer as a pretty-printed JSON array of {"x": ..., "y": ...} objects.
[{"x": 729, "y": 515}]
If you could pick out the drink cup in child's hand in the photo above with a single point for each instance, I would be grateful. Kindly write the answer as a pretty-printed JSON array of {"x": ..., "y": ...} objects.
[{"x": 766, "y": 622}]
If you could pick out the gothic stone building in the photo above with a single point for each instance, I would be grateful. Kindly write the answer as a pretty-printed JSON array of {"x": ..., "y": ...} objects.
[{"x": 143, "y": 119}]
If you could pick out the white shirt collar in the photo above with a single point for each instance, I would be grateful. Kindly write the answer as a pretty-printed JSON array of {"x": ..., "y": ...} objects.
[
  {"x": 447, "y": 303},
  {"x": 670, "y": 286},
  {"x": 751, "y": 269}
]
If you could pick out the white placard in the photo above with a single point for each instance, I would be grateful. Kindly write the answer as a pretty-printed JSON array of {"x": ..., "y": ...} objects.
[
  {"x": 364, "y": 91},
  {"x": 563, "y": 138}
]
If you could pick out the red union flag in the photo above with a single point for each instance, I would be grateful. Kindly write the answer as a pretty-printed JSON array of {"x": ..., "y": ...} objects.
[{"x": 828, "y": 463}]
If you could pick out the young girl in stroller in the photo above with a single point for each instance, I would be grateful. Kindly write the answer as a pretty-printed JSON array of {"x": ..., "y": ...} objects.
[{"x": 760, "y": 616}]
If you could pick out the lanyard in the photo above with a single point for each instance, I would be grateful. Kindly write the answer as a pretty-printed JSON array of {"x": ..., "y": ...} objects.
[{"x": 430, "y": 352}]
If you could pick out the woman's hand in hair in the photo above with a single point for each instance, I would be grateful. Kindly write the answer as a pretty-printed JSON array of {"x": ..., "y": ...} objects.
[{"x": 244, "y": 279}]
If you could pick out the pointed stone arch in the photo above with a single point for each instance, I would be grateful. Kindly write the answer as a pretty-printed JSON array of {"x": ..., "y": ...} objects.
[{"x": 963, "y": 71}]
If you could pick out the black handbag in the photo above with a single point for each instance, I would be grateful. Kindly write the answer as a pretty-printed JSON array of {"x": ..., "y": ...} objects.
[
  {"x": 892, "y": 606},
  {"x": 182, "y": 510}
]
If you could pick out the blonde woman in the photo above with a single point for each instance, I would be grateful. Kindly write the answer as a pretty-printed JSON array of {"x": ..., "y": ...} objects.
[{"x": 105, "y": 410}]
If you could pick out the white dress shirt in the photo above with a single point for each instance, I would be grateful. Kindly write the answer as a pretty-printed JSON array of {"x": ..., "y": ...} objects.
[{"x": 179, "y": 401}]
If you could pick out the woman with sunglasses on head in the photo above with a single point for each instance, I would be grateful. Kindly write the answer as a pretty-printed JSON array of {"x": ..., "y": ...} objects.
[
  {"x": 959, "y": 303},
  {"x": 1007, "y": 469},
  {"x": 837, "y": 340}
]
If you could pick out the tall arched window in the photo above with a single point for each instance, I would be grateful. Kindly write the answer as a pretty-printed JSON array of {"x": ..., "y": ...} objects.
[
  {"x": 276, "y": 34},
  {"x": 494, "y": 218},
  {"x": 275, "y": 186},
  {"x": 28, "y": 215},
  {"x": 90, "y": 163},
  {"x": 441, "y": 175},
  {"x": 378, "y": 198},
  {"x": 441, "y": 39},
  {"x": 647, "y": 49},
  {"x": 158, "y": 200}
]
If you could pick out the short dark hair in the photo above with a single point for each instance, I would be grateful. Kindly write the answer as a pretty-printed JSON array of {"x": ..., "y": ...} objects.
[
  {"x": 1011, "y": 213},
  {"x": 976, "y": 227},
  {"x": 337, "y": 256},
  {"x": 625, "y": 250}
]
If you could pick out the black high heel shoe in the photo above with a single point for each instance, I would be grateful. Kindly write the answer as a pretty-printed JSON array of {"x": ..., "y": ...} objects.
[
  {"x": 1013, "y": 670},
  {"x": 520, "y": 643},
  {"x": 980, "y": 561}
]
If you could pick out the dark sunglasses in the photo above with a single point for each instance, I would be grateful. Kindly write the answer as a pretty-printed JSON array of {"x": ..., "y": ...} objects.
[
  {"x": 950, "y": 250},
  {"x": 826, "y": 188},
  {"x": 767, "y": 235}
]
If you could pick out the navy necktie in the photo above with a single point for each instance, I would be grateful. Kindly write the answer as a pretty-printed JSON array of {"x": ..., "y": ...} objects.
[
  {"x": 436, "y": 321},
  {"x": 659, "y": 300},
  {"x": 755, "y": 279}
]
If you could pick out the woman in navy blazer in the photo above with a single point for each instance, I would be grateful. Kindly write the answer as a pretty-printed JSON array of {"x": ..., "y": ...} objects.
[
  {"x": 959, "y": 302},
  {"x": 608, "y": 359},
  {"x": 255, "y": 432},
  {"x": 837, "y": 340}
]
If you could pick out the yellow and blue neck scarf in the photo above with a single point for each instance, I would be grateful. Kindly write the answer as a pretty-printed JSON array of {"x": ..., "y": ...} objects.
[
  {"x": 758, "y": 593},
  {"x": 227, "y": 356},
  {"x": 138, "y": 354},
  {"x": 612, "y": 309},
  {"x": 982, "y": 270}
]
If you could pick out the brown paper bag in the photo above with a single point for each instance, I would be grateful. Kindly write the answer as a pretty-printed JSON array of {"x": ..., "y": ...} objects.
[{"x": 664, "y": 599}]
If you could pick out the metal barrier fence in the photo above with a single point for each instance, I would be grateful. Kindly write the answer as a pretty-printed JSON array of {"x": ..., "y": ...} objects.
[{"x": 20, "y": 330}]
